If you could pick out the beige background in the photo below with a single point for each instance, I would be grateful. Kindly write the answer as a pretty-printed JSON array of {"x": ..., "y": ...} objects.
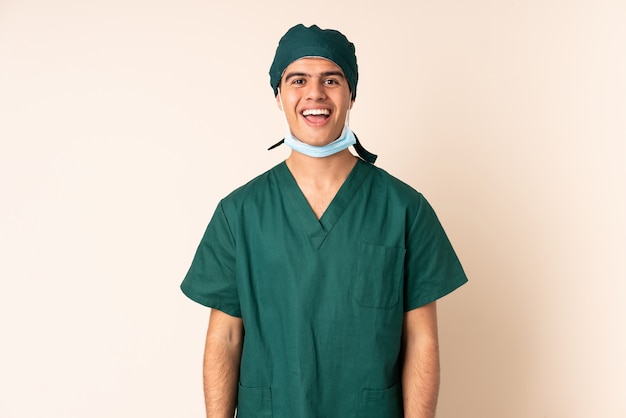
[{"x": 123, "y": 122}]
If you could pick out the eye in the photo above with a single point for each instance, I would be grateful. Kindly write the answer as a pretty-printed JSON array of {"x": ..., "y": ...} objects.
[
  {"x": 298, "y": 81},
  {"x": 331, "y": 81}
]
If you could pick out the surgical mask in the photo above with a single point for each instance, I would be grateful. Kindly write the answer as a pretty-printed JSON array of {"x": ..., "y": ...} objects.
[{"x": 346, "y": 139}]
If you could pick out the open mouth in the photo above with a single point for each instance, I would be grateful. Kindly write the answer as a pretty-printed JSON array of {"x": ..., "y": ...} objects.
[{"x": 316, "y": 115}]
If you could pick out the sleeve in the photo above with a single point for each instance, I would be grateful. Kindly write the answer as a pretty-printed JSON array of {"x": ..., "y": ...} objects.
[
  {"x": 432, "y": 268},
  {"x": 211, "y": 279}
]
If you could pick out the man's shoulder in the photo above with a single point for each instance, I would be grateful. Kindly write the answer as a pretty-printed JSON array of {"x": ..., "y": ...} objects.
[
  {"x": 394, "y": 186},
  {"x": 255, "y": 187}
]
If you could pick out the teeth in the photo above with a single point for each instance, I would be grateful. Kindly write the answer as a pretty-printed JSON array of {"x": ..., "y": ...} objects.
[{"x": 316, "y": 112}]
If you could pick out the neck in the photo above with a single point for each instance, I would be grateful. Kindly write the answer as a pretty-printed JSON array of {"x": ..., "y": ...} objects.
[
  {"x": 320, "y": 179},
  {"x": 321, "y": 171}
]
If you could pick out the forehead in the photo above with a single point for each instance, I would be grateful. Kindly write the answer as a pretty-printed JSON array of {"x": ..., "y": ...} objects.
[{"x": 312, "y": 65}]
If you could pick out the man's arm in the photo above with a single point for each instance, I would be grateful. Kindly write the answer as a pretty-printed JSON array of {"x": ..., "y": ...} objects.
[
  {"x": 420, "y": 374},
  {"x": 222, "y": 356}
]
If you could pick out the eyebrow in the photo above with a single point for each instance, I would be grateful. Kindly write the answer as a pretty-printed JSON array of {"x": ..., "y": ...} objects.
[{"x": 322, "y": 75}]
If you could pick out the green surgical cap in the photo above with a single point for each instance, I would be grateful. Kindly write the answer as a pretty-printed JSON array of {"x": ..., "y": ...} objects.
[{"x": 300, "y": 42}]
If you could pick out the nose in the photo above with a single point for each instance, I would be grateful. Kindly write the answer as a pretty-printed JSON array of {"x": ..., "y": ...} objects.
[{"x": 315, "y": 90}]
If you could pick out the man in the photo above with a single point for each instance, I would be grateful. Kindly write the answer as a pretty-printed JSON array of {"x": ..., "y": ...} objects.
[{"x": 322, "y": 273}]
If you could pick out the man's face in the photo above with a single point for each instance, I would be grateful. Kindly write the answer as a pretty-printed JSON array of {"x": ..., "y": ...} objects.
[{"x": 316, "y": 98}]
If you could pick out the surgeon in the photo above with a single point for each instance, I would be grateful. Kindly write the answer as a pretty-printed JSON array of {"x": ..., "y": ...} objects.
[{"x": 322, "y": 274}]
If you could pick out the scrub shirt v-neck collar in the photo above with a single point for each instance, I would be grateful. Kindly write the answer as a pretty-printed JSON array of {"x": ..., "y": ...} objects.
[{"x": 318, "y": 230}]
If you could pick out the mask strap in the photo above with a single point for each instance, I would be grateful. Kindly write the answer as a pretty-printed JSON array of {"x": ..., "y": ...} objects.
[
  {"x": 363, "y": 153},
  {"x": 276, "y": 144}
]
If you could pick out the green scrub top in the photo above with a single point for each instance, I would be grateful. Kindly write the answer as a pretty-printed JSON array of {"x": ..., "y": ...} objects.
[{"x": 322, "y": 301}]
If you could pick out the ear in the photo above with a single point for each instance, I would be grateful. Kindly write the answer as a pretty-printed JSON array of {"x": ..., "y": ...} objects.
[{"x": 279, "y": 103}]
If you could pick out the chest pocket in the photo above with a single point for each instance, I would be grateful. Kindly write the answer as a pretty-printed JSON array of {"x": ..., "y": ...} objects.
[{"x": 379, "y": 276}]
